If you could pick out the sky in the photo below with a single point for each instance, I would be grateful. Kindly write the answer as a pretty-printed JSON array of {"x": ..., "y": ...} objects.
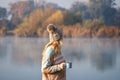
[
  {"x": 62, "y": 3},
  {"x": 65, "y": 3}
]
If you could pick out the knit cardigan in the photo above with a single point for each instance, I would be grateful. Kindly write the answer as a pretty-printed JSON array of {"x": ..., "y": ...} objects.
[{"x": 51, "y": 69}]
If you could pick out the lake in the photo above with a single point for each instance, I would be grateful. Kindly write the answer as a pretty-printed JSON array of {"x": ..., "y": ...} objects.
[{"x": 92, "y": 59}]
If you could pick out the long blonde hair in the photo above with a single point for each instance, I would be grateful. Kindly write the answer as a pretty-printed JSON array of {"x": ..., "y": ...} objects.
[{"x": 57, "y": 46}]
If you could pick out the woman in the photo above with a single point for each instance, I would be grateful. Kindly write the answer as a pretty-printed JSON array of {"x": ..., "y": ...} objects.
[{"x": 53, "y": 63}]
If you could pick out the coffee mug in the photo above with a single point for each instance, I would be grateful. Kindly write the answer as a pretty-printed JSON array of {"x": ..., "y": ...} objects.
[{"x": 69, "y": 64}]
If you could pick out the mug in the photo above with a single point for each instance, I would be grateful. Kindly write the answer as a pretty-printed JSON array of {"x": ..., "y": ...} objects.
[{"x": 69, "y": 64}]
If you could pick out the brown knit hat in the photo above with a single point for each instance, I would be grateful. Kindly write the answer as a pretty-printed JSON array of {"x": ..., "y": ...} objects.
[{"x": 54, "y": 32}]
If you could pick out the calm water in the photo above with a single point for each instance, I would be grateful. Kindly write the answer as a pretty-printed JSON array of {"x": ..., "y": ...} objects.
[{"x": 93, "y": 59}]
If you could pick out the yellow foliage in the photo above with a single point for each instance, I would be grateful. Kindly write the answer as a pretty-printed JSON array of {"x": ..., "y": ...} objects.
[
  {"x": 57, "y": 18},
  {"x": 30, "y": 25},
  {"x": 36, "y": 18}
]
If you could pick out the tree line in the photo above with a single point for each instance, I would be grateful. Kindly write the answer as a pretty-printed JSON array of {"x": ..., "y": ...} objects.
[{"x": 96, "y": 18}]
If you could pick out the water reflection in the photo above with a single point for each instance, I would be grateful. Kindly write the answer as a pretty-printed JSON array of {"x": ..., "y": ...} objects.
[
  {"x": 100, "y": 52},
  {"x": 24, "y": 54}
]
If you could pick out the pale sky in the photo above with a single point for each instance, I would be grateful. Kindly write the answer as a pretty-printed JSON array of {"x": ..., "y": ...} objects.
[
  {"x": 62, "y": 3},
  {"x": 65, "y": 3}
]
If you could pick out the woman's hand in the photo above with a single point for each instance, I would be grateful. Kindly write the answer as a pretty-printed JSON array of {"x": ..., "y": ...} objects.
[{"x": 63, "y": 65}]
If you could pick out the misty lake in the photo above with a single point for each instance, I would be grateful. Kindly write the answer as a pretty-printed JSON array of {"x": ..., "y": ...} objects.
[{"x": 92, "y": 59}]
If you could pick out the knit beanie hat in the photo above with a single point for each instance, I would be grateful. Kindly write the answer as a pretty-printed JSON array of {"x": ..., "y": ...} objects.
[{"x": 54, "y": 33}]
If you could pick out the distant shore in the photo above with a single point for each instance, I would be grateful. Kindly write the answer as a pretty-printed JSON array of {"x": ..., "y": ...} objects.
[{"x": 74, "y": 32}]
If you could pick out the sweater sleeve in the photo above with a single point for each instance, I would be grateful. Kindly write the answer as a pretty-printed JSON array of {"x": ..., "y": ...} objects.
[{"x": 47, "y": 66}]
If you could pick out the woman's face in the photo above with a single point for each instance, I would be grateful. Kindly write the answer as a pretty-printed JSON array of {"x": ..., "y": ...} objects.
[{"x": 54, "y": 36}]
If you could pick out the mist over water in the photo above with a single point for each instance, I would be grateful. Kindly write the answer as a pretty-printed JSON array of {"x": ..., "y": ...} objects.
[{"x": 92, "y": 59}]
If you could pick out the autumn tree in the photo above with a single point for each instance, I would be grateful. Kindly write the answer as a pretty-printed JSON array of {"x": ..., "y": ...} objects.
[
  {"x": 54, "y": 6},
  {"x": 117, "y": 18},
  {"x": 95, "y": 8},
  {"x": 103, "y": 9},
  {"x": 71, "y": 18},
  {"x": 3, "y": 26},
  {"x": 3, "y": 21},
  {"x": 80, "y": 8},
  {"x": 19, "y": 10},
  {"x": 56, "y": 18},
  {"x": 30, "y": 24},
  {"x": 68, "y": 18},
  {"x": 3, "y": 13},
  {"x": 109, "y": 12}
]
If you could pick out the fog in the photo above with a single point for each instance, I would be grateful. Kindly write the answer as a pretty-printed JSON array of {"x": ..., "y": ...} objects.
[{"x": 92, "y": 59}]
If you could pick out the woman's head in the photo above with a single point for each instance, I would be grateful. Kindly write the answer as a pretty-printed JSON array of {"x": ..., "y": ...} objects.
[{"x": 55, "y": 34}]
